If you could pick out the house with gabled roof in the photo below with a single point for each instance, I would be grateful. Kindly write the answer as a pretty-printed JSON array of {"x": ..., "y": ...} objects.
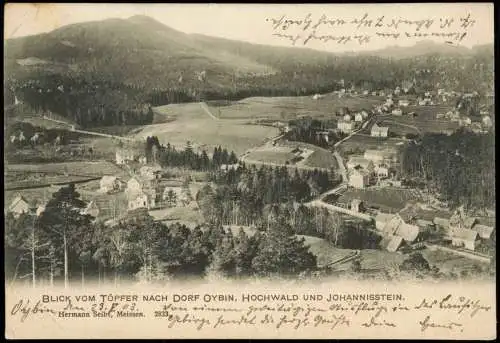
[
  {"x": 466, "y": 238},
  {"x": 379, "y": 131},
  {"x": 359, "y": 178},
  {"x": 391, "y": 243},
  {"x": 19, "y": 206},
  {"x": 484, "y": 231},
  {"x": 355, "y": 161}
]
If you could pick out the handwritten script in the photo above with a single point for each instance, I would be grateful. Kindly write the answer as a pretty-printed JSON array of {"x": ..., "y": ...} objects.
[
  {"x": 290, "y": 312},
  {"x": 366, "y": 28}
]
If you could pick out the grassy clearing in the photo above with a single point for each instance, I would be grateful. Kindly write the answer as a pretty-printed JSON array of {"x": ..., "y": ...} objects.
[
  {"x": 189, "y": 215},
  {"x": 380, "y": 260},
  {"x": 98, "y": 168},
  {"x": 282, "y": 153},
  {"x": 386, "y": 199},
  {"x": 286, "y": 108},
  {"x": 271, "y": 156},
  {"x": 321, "y": 158},
  {"x": 449, "y": 262},
  {"x": 324, "y": 251},
  {"x": 189, "y": 122},
  {"x": 361, "y": 142}
]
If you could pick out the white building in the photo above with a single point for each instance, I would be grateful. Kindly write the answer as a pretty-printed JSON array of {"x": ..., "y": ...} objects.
[
  {"x": 358, "y": 117},
  {"x": 379, "y": 131},
  {"x": 379, "y": 156},
  {"x": 40, "y": 209},
  {"x": 382, "y": 170},
  {"x": 465, "y": 238},
  {"x": 487, "y": 121},
  {"x": 347, "y": 118},
  {"x": 346, "y": 127},
  {"x": 356, "y": 161},
  {"x": 19, "y": 206},
  {"x": 138, "y": 200},
  {"x": 404, "y": 103},
  {"x": 134, "y": 185},
  {"x": 397, "y": 112},
  {"x": 151, "y": 172},
  {"x": 110, "y": 184},
  {"x": 123, "y": 156},
  {"x": 465, "y": 121},
  {"x": 359, "y": 178}
]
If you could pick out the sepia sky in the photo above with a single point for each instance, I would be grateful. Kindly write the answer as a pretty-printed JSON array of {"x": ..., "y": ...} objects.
[{"x": 248, "y": 22}]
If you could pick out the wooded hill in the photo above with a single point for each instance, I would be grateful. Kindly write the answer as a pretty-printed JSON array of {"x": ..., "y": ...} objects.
[{"x": 120, "y": 66}]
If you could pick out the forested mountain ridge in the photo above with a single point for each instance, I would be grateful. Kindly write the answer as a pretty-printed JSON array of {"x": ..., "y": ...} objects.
[{"x": 109, "y": 72}]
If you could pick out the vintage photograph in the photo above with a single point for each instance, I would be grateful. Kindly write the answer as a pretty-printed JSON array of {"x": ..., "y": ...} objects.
[{"x": 151, "y": 143}]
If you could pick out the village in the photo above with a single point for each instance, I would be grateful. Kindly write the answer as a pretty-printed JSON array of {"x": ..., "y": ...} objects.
[
  {"x": 371, "y": 174},
  {"x": 417, "y": 220}
]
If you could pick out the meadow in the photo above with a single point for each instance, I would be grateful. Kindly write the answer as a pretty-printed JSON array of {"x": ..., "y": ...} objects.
[
  {"x": 190, "y": 122},
  {"x": 370, "y": 259},
  {"x": 358, "y": 143},
  {"x": 286, "y": 108},
  {"x": 451, "y": 263},
  {"x": 98, "y": 168},
  {"x": 386, "y": 199}
]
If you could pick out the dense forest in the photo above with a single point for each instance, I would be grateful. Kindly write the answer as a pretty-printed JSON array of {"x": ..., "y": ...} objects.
[
  {"x": 62, "y": 244},
  {"x": 169, "y": 156},
  {"x": 96, "y": 99},
  {"x": 460, "y": 167},
  {"x": 249, "y": 195},
  {"x": 310, "y": 130}
]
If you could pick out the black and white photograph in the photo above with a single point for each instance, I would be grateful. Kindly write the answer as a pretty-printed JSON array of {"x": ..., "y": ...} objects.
[{"x": 159, "y": 144}]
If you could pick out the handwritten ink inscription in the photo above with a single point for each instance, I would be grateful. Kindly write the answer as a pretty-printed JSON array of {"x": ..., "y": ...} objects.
[
  {"x": 286, "y": 312},
  {"x": 366, "y": 28}
]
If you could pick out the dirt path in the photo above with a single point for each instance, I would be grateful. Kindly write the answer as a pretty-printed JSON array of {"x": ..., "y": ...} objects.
[{"x": 207, "y": 111}]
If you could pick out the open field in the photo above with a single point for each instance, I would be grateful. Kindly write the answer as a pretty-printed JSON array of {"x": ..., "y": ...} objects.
[
  {"x": 324, "y": 251},
  {"x": 312, "y": 156},
  {"x": 423, "y": 125},
  {"x": 380, "y": 260},
  {"x": 270, "y": 155},
  {"x": 370, "y": 259},
  {"x": 98, "y": 168},
  {"x": 320, "y": 158},
  {"x": 449, "y": 262},
  {"x": 29, "y": 175},
  {"x": 188, "y": 215},
  {"x": 361, "y": 142},
  {"x": 425, "y": 120},
  {"x": 286, "y": 108},
  {"x": 190, "y": 122},
  {"x": 386, "y": 199}
]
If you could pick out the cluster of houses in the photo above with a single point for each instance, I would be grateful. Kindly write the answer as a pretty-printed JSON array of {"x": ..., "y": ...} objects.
[
  {"x": 127, "y": 156},
  {"x": 20, "y": 205},
  {"x": 373, "y": 164},
  {"x": 144, "y": 190},
  {"x": 414, "y": 225},
  {"x": 475, "y": 126},
  {"x": 147, "y": 189},
  {"x": 349, "y": 122}
]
